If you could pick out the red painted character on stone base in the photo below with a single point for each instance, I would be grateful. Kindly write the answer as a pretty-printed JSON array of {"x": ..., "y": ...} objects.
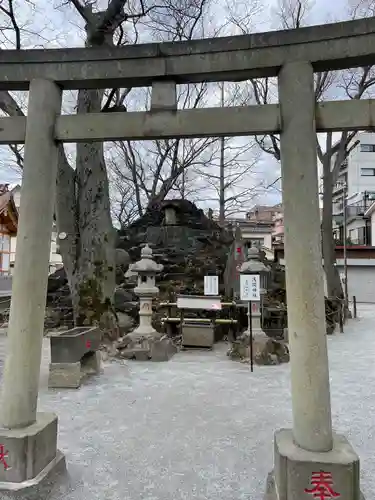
[
  {"x": 3, "y": 456},
  {"x": 322, "y": 486}
]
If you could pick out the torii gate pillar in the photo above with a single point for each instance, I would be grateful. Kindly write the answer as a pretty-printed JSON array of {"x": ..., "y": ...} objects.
[
  {"x": 28, "y": 451},
  {"x": 310, "y": 461}
]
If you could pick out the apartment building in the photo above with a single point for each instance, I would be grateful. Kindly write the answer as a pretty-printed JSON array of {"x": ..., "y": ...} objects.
[{"x": 356, "y": 186}]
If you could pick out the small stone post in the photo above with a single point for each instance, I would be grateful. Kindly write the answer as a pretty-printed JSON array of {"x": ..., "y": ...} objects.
[
  {"x": 30, "y": 437},
  {"x": 309, "y": 460}
]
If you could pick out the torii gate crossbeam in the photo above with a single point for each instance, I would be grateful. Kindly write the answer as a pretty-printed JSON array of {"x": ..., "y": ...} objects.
[
  {"x": 328, "y": 47},
  {"x": 334, "y": 116}
]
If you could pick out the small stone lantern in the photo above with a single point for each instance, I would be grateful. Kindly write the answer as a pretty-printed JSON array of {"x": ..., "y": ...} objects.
[
  {"x": 146, "y": 269},
  {"x": 254, "y": 265}
]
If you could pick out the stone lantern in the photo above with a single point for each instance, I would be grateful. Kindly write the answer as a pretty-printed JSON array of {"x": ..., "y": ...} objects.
[
  {"x": 146, "y": 269},
  {"x": 254, "y": 265}
]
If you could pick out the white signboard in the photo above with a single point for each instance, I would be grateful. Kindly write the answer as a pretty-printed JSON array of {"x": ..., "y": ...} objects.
[
  {"x": 211, "y": 285},
  {"x": 199, "y": 302},
  {"x": 250, "y": 287}
]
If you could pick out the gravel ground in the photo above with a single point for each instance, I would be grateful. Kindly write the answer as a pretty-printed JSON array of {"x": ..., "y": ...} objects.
[{"x": 200, "y": 426}]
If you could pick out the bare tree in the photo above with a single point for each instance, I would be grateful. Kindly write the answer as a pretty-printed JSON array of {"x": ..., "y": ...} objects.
[
  {"x": 353, "y": 84},
  {"x": 157, "y": 169},
  {"x": 210, "y": 170},
  {"x": 229, "y": 177},
  {"x": 124, "y": 208},
  {"x": 235, "y": 187},
  {"x": 83, "y": 202}
]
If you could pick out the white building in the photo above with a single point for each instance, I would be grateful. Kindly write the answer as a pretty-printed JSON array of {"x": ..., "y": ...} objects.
[
  {"x": 358, "y": 171},
  {"x": 254, "y": 233},
  {"x": 357, "y": 179},
  {"x": 370, "y": 215},
  {"x": 258, "y": 227},
  {"x": 257, "y": 234},
  {"x": 55, "y": 260}
]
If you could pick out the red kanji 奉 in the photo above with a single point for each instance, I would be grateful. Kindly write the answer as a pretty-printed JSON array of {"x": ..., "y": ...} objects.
[{"x": 322, "y": 486}]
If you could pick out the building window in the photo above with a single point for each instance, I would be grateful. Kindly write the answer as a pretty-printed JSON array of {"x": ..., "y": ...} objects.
[
  {"x": 353, "y": 235},
  {"x": 367, "y": 172},
  {"x": 367, "y": 148},
  {"x": 256, "y": 242}
]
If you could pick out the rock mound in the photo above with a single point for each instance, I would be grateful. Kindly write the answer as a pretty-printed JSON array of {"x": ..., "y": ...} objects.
[
  {"x": 184, "y": 240},
  {"x": 266, "y": 351}
]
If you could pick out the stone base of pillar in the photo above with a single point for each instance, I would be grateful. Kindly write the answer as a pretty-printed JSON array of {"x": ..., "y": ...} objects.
[
  {"x": 304, "y": 475},
  {"x": 71, "y": 375},
  {"x": 149, "y": 348},
  {"x": 29, "y": 458},
  {"x": 65, "y": 375},
  {"x": 144, "y": 332}
]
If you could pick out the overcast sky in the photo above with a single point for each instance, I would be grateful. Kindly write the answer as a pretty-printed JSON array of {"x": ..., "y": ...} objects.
[{"x": 52, "y": 24}]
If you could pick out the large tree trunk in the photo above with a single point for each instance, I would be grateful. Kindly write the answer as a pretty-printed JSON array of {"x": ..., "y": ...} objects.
[
  {"x": 66, "y": 213},
  {"x": 334, "y": 288},
  {"x": 83, "y": 213},
  {"x": 333, "y": 279},
  {"x": 94, "y": 280}
]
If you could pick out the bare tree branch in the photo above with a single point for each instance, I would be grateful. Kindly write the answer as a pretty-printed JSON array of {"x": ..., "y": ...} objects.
[
  {"x": 83, "y": 10},
  {"x": 156, "y": 167},
  {"x": 10, "y": 13}
]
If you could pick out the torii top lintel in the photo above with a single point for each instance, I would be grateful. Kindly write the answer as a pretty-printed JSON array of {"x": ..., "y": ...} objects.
[{"x": 327, "y": 47}]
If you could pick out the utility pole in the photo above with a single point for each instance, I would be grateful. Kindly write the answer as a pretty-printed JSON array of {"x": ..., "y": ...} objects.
[
  {"x": 183, "y": 173},
  {"x": 222, "y": 170},
  {"x": 344, "y": 203}
]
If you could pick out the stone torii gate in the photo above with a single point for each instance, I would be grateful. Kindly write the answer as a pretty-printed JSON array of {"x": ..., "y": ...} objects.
[{"x": 310, "y": 460}]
